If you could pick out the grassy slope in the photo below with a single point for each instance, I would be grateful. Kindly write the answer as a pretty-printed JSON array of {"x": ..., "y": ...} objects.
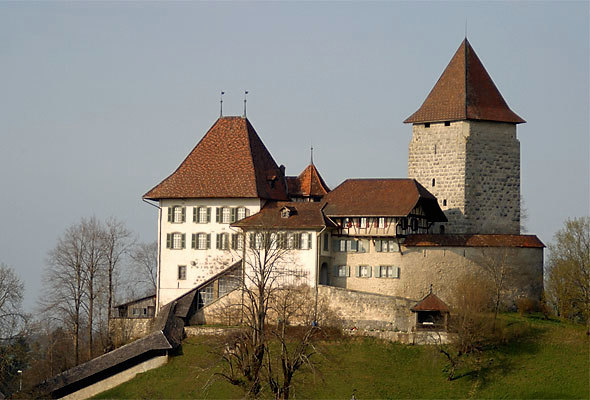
[{"x": 553, "y": 363}]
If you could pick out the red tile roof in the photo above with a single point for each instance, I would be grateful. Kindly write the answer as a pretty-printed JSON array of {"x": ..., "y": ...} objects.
[
  {"x": 464, "y": 91},
  {"x": 380, "y": 198},
  {"x": 309, "y": 183},
  {"x": 303, "y": 216},
  {"x": 229, "y": 161},
  {"x": 473, "y": 241},
  {"x": 431, "y": 303}
]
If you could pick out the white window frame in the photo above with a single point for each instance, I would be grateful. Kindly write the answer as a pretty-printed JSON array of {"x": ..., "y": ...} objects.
[
  {"x": 342, "y": 271},
  {"x": 176, "y": 241},
  {"x": 177, "y": 214},
  {"x": 381, "y": 222},
  {"x": 202, "y": 215},
  {"x": 364, "y": 271},
  {"x": 241, "y": 213},
  {"x": 225, "y": 215},
  {"x": 201, "y": 241}
]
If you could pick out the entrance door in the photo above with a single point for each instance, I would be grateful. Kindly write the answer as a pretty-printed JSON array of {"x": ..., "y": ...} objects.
[{"x": 324, "y": 274}]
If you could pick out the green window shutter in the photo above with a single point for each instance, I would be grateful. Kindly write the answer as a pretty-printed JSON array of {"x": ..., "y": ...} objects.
[
  {"x": 234, "y": 241},
  {"x": 217, "y": 214},
  {"x": 377, "y": 271},
  {"x": 358, "y": 271},
  {"x": 397, "y": 271},
  {"x": 208, "y": 240},
  {"x": 195, "y": 214},
  {"x": 168, "y": 240},
  {"x": 378, "y": 245},
  {"x": 252, "y": 241},
  {"x": 348, "y": 268},
  {"x": 335, "y": 272},
  {"x": 183, "y": 214},
  {"x": 170, "y": 210},
  {"x": 370, "y": 269},
  {"x": 194, "y": 241},
  {"x": 208, "y": 214},
  {"x": 182, "y": 242},
  {"x": 217, "y": 241},
  {"x": 233, "y": 214},
  {"x": 309, "y": 238}
]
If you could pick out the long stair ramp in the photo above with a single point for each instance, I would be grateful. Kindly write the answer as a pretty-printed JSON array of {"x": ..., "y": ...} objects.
[{"x": 151, "y": 351}]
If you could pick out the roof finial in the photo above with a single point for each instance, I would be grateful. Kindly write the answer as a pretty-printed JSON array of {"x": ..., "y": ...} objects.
[
  {"x": 466, "y": 28},
  {"x": 311, "y": 151},
  {"x": 431, "y": 288},
  {"x": 221, "y": 104},
  {"x": 245, "y": 93}
]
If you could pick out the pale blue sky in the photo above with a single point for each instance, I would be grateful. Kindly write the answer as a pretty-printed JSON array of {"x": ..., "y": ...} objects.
[{"x": 99, "y": 101}]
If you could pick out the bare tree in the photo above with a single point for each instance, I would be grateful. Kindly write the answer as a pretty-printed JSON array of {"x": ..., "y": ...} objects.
[
  {"x": 568, "y": 284},
  {"x": 116, "y": 243},
  {"x": 12, "y": 316},
  {"x": 65, "y": 277},
  {"x": 268, "y": 282},
  {"x": 145, "y": 262}
]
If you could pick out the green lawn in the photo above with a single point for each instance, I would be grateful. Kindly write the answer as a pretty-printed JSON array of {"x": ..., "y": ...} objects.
[{"x": 552, "y": 362}]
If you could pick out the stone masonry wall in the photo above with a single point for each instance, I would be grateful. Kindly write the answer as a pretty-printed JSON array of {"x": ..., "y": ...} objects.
[
  {"x": 441, "y": 267},
  {"x": 492, "y": 178},
  {"x": 473, "y": 169}
]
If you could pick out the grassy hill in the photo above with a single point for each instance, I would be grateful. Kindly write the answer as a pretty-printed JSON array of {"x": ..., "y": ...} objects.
[{"x": 552, "y": 361}]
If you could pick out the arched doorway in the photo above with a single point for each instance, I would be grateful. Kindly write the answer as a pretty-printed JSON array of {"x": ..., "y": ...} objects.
[{"x": 324, "y": 274}]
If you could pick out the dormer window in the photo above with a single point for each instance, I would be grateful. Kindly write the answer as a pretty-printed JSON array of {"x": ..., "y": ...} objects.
[{"x": 286, "y": 212}]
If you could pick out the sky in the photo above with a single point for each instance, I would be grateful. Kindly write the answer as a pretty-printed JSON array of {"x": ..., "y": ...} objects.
[{"x": 100, "y": 101}]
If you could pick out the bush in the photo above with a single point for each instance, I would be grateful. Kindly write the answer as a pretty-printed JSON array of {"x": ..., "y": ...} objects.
[{"x": 526, "y": 305}]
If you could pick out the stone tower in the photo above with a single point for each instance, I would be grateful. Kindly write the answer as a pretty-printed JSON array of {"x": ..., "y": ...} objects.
[{"x": 464, "y": 149}]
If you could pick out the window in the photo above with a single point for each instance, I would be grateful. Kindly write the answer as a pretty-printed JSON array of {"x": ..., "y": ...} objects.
[
  {"x": 226, "y": 215},
  {"x": 176, "y": 214},
  {"x": 363, "y": 222},
  {"x": 351, "y": 245},
  {"x": 387, "y": 271},
  {"x": 326, "y": 241},
  {"x": 342, "y": 271},
  {"x": 207, "y": 294},
  {"x": 447, "y": 123},
  {"x": 222, "y": 241},
  {"x": 241, "y": 213},
  {"x": 305, "y": 241},
  {"x": 433, "y": 182},
  {"x": 237, "y": 241},
  {"x": 175, "y": 240},
  {"x": 363, "y": 271},
  {"x": 386, "y": 245},
  {"x": 381, "y": 223},
  {"x": 256, "y": 240},
  {"x": 202, "y": 215},
  {"x": 201, "y": 241},
  {"x": 182, "y": 272}
]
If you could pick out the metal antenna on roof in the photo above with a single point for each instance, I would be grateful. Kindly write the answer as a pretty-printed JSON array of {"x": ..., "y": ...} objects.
[
  {"x": 221, "y": 104},
  {"x": 245, "y": 93}
]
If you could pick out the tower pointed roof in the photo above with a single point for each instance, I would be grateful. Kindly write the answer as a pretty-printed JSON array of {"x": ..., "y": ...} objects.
[
  {"x": 309, "y": 183},
  {"x": 464, "y": 91},
  {"x": 230, "y": 161}
]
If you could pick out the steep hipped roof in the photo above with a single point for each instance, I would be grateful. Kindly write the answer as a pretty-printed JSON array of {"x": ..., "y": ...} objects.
[
  {"x": 308, "y": 183},
  {"x": 431, "y": 303},
  {"x": 473, "y": 241},
  {"x": 381, "y": 198},
  {"x": 303, "y": 216},
  {"x": 230, "y": 161},
  {"x": 464, "y": 91}
]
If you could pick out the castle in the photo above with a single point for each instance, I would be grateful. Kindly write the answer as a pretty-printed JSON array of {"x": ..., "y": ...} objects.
[{"x": 403, "y": 238}]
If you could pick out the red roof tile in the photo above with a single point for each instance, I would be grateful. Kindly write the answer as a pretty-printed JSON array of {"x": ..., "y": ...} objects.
[
  {"x": 431, "y": 303},
  {"x": 464, "y": 91},
  {"x": 309, "y": 183},
  {"x": 229, "y": 161},
  {"x": 380, "y": 197},
  {"x": 473, "y": 241},
  {"x": 303, "y": 216}
]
